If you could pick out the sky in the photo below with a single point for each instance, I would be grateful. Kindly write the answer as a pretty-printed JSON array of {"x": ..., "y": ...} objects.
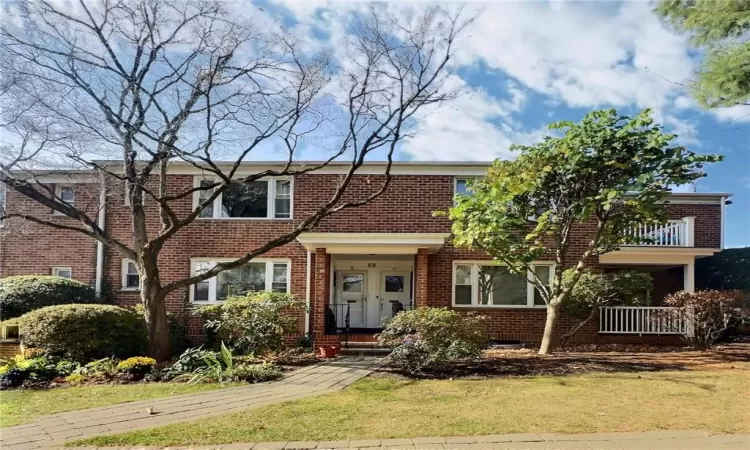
[{"x": 523, "y": 65}]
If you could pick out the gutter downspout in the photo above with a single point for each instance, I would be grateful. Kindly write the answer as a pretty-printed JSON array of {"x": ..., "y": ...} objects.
[
  {"x": 99, "y": 244},
  {"x": 307, "y": 292},
  {"x": 723, "y": 207}
]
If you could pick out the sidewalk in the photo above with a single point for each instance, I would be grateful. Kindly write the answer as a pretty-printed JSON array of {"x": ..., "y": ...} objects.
[
  {"x": 53, "y": 430},
  {"x": 655, "y": 440}
]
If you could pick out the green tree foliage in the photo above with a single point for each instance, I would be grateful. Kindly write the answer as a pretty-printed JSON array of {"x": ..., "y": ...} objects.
[
  {"x": 256, "y": 323},
  {"x": 24, "y": 293},
  {"x": 726, "y": 270},
  {"x": 722, "y": 28},
  {"x": 609, "y": 172},
  {"x": 84, "y": 332},
  {"x": 596, "y": 289}
]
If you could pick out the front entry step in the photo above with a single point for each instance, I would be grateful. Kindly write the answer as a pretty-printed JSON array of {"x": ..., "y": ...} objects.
[{"x": 363, "y": 349}]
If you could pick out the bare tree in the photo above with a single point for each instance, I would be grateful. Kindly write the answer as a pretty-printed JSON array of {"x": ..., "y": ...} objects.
[{"x": 153, "y": 82}]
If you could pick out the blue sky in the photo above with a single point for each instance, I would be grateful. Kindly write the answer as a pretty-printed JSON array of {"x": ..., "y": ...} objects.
[{"x": 522, "y": 65}]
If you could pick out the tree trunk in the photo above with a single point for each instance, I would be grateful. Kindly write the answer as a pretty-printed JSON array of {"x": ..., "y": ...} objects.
[
  {"x": 549, "y": 328},
  {"x": 155, "y": 311}
]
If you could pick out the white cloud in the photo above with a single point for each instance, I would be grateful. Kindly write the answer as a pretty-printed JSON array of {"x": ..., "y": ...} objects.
[{"x": 738, "y": 113}]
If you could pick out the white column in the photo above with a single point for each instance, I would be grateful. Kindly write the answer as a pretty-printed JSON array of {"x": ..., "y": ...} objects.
[
  {"x": 689, "y": 231},
  {"x": 688, "y": 277}
]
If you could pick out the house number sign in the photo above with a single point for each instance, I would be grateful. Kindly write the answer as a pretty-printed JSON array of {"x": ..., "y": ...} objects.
[{"x": 371, "y": 265}]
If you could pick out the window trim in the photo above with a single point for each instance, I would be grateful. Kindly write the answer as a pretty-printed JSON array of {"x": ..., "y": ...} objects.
[
  {"x": 475, "y": 284},
  {"x": 124, "y": 276},
  {"x": 58, "y": 195},
  {"x": 270, "y": 202},
  {"x": 212, "y": 282},
  {"x": 56, "y": 269},
  {"x": 3, "y": 202},
  {"x": 4, "y": 331}
]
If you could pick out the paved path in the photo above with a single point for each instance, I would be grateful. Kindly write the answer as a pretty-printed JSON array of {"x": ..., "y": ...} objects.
[
  {"x": 53, "y": 430},
  {"x": 652, "y": 440}
]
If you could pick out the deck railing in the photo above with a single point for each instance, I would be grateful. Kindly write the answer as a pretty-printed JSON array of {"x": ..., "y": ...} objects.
[
  {"x": 643, "y": 320},
  {"x": 673, "y": 233}
]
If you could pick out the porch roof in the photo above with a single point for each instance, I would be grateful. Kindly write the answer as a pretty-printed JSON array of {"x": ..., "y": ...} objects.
[{"x": 373, "y": 243}]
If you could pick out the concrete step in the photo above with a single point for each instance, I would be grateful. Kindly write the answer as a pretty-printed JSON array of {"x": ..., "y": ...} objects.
[{"x": 365, "y": 351}]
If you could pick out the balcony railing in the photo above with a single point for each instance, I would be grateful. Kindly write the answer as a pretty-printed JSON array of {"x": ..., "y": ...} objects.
[
  {"x": 643, "y": 320},
  {"x": 673, "y": 233}
]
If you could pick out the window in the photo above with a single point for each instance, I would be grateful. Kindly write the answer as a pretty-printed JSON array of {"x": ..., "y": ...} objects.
[
  {"x": 130, "y": 277},
  {"x": 64, "y": 272},
  {"x": 9, "y": 332},
  {"x": 2, "y": 204},
  {"x": 353, "y": 283},
  {"x": 462, "y": 184},
  {"x": 263, "y": 275},
  {"x": 263, "y": 199},
  {"x": 65, "y": 194},
  {"x": 394, "y": 283},
  {"x": 485, "y": 284}
]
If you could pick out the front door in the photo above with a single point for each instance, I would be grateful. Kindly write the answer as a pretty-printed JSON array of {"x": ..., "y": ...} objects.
[
  {"x": 352, "y": 294},
  {"x": 395, "y": 294}
]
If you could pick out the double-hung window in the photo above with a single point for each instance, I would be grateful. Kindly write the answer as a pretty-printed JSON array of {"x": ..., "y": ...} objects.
[
  {"x": 257, "y": 275},
  {"x": 462, "y": 185},
  {"x": 261, "y": 199},
  {"x": 131, "y": 279},
  {"x": 65, "y": 194},
  {"x": 486, "y": 284}
]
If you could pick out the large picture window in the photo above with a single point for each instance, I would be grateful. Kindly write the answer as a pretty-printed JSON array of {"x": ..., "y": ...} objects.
[
  {"x": 258, "y": 275},
  {"x": 263, "y": 199},
  {"x": 484, "y": 284}
]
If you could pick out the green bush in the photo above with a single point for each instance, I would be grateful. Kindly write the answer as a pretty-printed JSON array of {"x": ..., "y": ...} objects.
[
  {"x": 84, "y": 332},
  {"x": 433, "y": 338},
  {"x": 21, "y": 294},
  {"x": 137, "y": 365},
  {"x": 256, "y": 323},
  {"x": 256, "y": 373}
]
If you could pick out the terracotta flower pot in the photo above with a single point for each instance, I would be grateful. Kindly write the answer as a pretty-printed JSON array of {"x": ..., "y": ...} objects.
[{"x": 327, "y": 351}]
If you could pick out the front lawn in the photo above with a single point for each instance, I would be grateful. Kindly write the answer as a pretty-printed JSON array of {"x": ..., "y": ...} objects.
[
  {"x": 391, "y": 407},
  {"x": 21, "y": 406}
]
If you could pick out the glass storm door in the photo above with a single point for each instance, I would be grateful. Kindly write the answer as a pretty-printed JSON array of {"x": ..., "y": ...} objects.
[
  {"x": 352, "y": 291},
  {"x": 395, "y": 294}
]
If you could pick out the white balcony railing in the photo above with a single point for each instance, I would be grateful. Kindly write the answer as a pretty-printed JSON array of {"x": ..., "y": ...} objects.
[
  {"x": 674, "y": 233},
  {"x": 643, "y": 320}
]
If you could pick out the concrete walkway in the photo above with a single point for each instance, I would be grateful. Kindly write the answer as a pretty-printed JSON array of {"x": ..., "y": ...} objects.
[
  {"x": 53, "y": 430},
  {"x": 652, "y": 440}
]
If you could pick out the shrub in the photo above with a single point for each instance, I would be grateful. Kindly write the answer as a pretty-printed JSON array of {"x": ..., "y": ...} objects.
[
  {"x": 256, "y": 323},
  {"x": 21, "y": 294},
  {"x": 711, "y": 314},
  {"x": 256, "y": 373},
  {"x": 189, "y": 361},
  {"x": 596, "y": 289},
  {"x": 433, "y": 338},
  {"x": 82, "y": 332},
  {"x": 18, "y": 369},
  {"x": 104, "y": 366},
  {"x": 75, "y": 378},
  {"x": 65, "y": 367},
  {"x": 137, "y": 366}
]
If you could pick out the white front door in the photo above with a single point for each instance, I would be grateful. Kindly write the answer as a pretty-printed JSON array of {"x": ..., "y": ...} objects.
[
  {"x": 352, "y": 294},
  {"x": 395, "y": 293}
]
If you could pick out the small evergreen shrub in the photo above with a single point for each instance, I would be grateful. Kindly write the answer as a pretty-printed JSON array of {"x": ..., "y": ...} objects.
[
  {"x": 137, "y": 366},
  {"x": 24, "y": 293},
  {"x": 433, "y": 338},
  {"x": 84, "y": 332}
]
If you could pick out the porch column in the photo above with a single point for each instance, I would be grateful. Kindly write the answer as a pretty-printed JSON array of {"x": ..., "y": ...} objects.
[
  {"x": 420, "y": 274},
  {"x": 321, "y": 293},
  {"x": 688, "y": 277}
]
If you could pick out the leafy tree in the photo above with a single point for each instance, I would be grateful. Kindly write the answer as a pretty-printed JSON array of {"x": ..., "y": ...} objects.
[
  {"x": 722, "y": 28},
  {"x": 596, "y": 179},
  {"x": 596, "y": 289},
  {"x": 145, "y": 84},
  {"x": 726, "y": 270}
]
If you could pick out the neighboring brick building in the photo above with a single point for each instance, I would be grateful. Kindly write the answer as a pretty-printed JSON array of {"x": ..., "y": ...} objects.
[{"x": 371, "y": 261}]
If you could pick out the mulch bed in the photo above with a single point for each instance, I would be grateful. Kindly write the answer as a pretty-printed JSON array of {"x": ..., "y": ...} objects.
[{"x": 498, "y": 363}]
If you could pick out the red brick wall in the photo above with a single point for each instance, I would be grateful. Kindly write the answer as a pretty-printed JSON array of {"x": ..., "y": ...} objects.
[{"x": 406, "y": 207}]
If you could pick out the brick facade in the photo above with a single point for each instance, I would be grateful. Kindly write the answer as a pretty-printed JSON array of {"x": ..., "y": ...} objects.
[{"x": 406, "y": 207}]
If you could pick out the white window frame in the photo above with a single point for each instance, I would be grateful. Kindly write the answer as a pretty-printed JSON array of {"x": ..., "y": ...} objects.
[
  {"x": 4, "y": 331},
  {"x": 271, "y": 201},
  {"x": 213, "y": 282},
  {"x": 124, "y": 276},
  {"x": 57, "y": 269},
  {"x": 58, "y": 194},
  {"x": 475, "y": 264},
  {"x": 3, "y": 200}
]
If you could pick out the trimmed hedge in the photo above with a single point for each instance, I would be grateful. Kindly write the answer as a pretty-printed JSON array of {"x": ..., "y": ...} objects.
[
  {"x": 83, "y": 332},
  {"x": 21, "y": 294}
]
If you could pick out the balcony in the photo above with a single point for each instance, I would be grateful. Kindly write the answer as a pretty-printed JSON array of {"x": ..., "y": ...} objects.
[{"x": 673, "y": 233}]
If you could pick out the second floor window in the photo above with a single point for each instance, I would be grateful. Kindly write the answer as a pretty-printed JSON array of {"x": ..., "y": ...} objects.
[{"x": 263, "y": 199}]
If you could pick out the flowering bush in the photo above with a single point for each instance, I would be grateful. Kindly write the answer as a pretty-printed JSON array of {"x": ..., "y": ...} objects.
[
  {"x": 710, "y": 313},
  {"x": 433, "y": 338},
  {"x": 137, "y": 365}
]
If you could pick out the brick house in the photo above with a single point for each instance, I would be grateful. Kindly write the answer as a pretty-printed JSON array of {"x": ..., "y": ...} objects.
[{"x": 358, "y": 267}]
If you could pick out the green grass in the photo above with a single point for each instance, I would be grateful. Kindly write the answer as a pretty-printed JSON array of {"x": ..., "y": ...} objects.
[
  {"x": 390, "y": 408},
  {"x": 17, "y": 407}
]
